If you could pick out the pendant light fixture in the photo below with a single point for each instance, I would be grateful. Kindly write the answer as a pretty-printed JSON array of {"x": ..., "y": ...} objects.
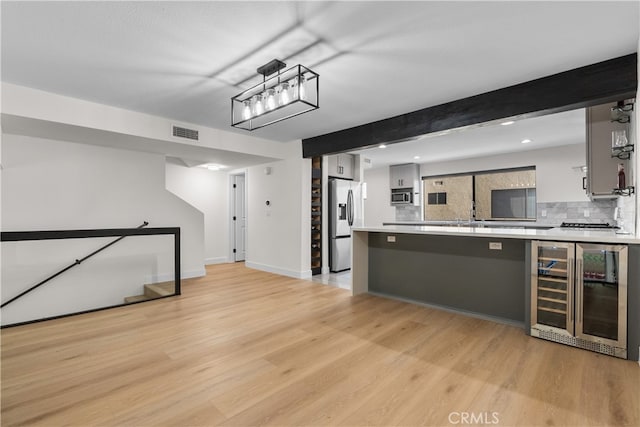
[{"x": 281, "y": 95}]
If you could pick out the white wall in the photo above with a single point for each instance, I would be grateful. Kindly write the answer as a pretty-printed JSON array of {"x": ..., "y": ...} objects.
[
  {"x": 556, "y": 180},
  {"x": 52, "y": 185},
  {"x": 207, "y": 191},
  {"x": 30, "y": 103},
  {"x": 376, "y": 206},
  {"x": 279, "y": 236},
  {"x": 43, "y": 114}
]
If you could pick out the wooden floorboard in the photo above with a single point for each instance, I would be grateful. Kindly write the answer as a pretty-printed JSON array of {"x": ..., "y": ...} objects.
[{"x": 242, "y": 347}]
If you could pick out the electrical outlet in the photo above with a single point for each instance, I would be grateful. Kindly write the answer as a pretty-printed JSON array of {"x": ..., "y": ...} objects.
[
  {"x": 543, "y": 213},
  {"x": 391, "y": 239},
  {"x": 586, "y": 213},
  {"x": 496, "y": 246}
]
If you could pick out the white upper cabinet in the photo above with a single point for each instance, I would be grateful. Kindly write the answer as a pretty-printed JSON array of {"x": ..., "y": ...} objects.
[
  {"x": 404, "y": 176},
  {"x": 341, "y": 166}
]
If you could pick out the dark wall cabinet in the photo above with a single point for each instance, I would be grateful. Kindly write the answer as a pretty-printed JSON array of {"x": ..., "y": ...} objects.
[{"x": 602, "y": 167}]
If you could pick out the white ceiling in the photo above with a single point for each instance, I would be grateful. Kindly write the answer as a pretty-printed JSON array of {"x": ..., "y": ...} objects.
[
  {"x": 172, "y": 59},
  {"x": 553, "y": 130}
]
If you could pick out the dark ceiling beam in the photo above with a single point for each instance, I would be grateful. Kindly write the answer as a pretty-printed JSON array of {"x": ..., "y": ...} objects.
[{"x": 606, "y": 81}]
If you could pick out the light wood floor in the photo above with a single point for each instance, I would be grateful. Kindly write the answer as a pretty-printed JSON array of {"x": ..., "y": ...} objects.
[{"x": 242, "y": 347}]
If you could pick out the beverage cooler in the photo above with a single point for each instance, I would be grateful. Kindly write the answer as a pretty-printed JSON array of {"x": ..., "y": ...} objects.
[{"x": 579, "y": 295}]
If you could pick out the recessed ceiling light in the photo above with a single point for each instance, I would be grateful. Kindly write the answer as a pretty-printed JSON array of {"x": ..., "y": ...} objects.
[
  {"x": 510, "y": 122},
  {"x": 382, "y": 146},
  {"x": 416, "y": 157},
  {"x": 525, "y": 141},
  {"x": 212, "y": 166}
]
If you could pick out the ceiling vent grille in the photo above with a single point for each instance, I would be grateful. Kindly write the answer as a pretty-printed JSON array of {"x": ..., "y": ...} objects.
[{"x": 181, "y": 132}]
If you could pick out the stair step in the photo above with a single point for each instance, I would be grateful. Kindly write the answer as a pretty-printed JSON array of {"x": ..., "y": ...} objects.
[
  {"x": 156, "y": 290},
  {"x": 136, "y": 298}
]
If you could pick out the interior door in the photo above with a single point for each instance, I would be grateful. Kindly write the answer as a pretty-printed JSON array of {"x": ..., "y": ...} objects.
[{"x": 239, "y": 217}]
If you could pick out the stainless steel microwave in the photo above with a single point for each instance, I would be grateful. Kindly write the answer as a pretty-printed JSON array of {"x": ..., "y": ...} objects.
[{"x": 402, "y": 196}]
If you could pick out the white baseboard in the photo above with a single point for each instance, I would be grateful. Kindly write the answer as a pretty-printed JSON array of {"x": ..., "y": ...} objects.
[
  {"x": 216, "y": 260},
  {"x": 307, "y": 274},
  {"x": 281, "y": 271},
  {"x": 170, "y": 276}
]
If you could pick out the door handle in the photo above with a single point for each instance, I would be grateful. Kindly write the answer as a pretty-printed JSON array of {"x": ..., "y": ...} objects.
[
  {"x": 350, "y": 207},
  {"x": 579, "y": 288},
  {"x": 571, "y": 280}
]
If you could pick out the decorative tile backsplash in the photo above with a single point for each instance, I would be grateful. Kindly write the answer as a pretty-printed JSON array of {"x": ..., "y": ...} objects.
[
  {"x": 558, "y": 212},
  {"x": 407, "y": 213},
  {"x": 600, "y": 211},
  {"x": 627, "y": 214}
]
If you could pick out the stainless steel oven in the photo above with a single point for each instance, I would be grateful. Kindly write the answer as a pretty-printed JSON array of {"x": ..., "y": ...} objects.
[
  {"x": 579, "y": 295},
  {"x": 401, "y": 196}
]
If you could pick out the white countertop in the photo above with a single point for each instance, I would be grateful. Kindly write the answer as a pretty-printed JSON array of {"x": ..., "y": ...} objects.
[
  {"x": 477, "y": 222},
  {"x": 596, "y": 236}
]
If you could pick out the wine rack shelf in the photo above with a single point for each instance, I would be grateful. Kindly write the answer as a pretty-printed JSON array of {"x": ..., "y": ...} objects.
[{"x": 316, "y": 215}]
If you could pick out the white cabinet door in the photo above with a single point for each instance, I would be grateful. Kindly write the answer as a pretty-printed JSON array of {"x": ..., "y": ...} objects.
[
  {"x": 333, "y": 169},
  {"x": 404, "y": 176},
  {"x": 341, "y": 165},
  {"x": 346, "y": 161}
]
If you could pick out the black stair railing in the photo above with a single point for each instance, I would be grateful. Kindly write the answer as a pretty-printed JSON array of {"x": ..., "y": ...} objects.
[
  {"x": 69, "y": 267},
  {"x": 120, "y": 233}
]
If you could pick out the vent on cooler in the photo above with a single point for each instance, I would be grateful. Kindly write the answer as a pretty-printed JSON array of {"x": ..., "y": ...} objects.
[{"x": 182, "y": 132}]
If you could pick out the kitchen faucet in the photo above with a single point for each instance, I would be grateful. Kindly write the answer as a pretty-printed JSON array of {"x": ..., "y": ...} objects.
[{"x": 472, "y": 212}]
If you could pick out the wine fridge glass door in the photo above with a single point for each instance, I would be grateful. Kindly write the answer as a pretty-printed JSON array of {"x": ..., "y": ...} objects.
[
  {"x": 601, "y": 294},
  {"x": 552, "y": 290}
]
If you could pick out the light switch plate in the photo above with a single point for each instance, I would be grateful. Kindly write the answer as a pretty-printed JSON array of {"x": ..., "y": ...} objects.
[
  {"x": 497, "y": 246},
  {"x": 391, "y": 239}
]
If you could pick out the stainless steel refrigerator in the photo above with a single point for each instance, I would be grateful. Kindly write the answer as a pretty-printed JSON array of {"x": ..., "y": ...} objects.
[{"x": 344, "y": 212}]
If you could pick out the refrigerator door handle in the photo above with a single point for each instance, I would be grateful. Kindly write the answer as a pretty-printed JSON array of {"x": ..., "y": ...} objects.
[{"x": 350, "y": 207}]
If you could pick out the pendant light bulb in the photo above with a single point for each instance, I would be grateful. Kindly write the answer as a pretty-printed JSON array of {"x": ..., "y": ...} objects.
[
  {"x": 258, "y": 108},
  {"x": 284, "y": 94},
  {"x": 246, "y": 110},
  {"x": 301, "y": 89},
  {"x": 271, "y": 99}
]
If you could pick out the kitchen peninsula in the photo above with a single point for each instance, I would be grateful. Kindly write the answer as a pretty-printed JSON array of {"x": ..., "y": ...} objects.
[{"x": 484, "y": 272}]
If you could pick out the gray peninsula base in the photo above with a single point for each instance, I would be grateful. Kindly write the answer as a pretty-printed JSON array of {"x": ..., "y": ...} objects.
[{"x": 460, "y": 273}]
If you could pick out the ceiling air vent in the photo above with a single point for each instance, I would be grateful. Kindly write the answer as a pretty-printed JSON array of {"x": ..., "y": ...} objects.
[{"x": 181, "y": 132}]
